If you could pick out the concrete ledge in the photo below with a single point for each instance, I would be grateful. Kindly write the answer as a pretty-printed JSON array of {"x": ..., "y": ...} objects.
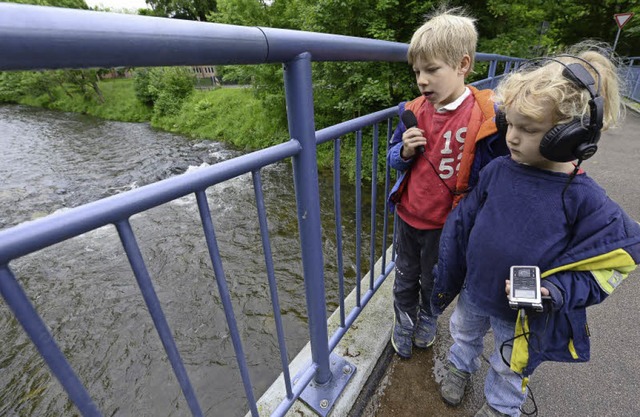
[
  {"x": 632, "y": 105},
  {"x": 363, "y": 345}
]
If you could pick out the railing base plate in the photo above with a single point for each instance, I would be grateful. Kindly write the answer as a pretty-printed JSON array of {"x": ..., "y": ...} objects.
[{"x": 321, "y": 398}]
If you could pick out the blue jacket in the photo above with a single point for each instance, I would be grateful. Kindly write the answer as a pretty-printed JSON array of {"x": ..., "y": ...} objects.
[
  {"x": 489, "y": 144},
  {"x": 583, "y": 242}
]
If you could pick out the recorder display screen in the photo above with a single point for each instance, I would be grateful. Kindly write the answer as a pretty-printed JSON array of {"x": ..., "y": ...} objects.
[{"x": 524, "y": 283}]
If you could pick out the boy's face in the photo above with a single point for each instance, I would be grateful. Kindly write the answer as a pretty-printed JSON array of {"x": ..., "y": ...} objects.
[
  {"x": 524, "y": 135},
  {"x": 438, "y": 82}
]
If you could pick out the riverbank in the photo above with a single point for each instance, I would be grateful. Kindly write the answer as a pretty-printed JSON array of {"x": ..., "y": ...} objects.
[{"x": 230, "y": 115}]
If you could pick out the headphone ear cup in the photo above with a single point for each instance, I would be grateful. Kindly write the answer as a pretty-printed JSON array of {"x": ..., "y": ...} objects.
[
  {"x": 569, "y": 141},
  {"x": 588, "y": 149}
]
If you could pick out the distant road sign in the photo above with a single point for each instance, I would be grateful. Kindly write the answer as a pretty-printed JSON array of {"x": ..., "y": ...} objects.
[{"x": 622, "y": 18}]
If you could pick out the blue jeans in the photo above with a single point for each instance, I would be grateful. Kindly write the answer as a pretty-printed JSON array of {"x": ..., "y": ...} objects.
[{"x": 468, "y": 325}]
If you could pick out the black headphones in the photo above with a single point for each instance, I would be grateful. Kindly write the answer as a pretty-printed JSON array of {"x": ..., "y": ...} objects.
[{"x": 577, "y": 139}]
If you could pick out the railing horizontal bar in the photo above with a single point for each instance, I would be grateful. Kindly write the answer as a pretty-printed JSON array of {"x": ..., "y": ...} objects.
[
  {"x": 350, "y": 126},
  {"x": 480, "y": 56},
  {"x": 285, "y": 44},
  {"x": 36, "y": 37},
  {"x": 32, "y": 236},
  {"x": 51, "y": 37}
]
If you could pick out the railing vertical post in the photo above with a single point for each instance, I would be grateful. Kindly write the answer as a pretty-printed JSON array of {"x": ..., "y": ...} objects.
[
  {"x": 493, "y": 66},
  {"x": 299, "y": 94},
  {"x": 40, "y": 335},
  {"x": 331, "y": 375},
  {"x": 629, "y": 77}
]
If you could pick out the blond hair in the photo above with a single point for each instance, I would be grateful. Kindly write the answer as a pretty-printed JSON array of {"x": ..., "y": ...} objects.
[
  {"x": 538, "y": 89},
  {"x": 447, "y": 35}
]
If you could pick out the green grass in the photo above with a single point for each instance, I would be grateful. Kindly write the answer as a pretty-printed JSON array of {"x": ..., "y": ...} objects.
[
  {"x": 120, "y": 102},
  {"x": 230, "y": 115},
  {"x": 128, "y": 108}
]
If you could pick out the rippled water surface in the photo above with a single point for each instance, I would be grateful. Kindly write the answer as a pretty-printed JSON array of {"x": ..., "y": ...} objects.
[{"x": 86, "y": 292}]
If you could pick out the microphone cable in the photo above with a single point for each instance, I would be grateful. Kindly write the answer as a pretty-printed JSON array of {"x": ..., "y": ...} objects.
[{"x": 527, "y": 337}]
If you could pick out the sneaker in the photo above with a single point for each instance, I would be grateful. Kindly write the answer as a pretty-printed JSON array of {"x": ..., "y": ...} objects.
[
  {"x": 453, "y": 385},
  {"x": 402, "y": 335},
  {"x": 488, "y": 411},
  {"x": 425, "y": 333}
]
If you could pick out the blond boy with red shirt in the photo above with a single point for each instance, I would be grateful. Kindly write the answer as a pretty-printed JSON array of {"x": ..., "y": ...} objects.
[{"x": 439, "y": 161}]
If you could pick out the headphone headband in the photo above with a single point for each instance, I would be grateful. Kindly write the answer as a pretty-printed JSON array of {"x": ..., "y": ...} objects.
[{"x": 573, "y": 140}]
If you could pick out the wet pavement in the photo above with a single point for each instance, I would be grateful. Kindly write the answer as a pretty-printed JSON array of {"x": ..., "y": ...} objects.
[{"x": 604, "y": 387}]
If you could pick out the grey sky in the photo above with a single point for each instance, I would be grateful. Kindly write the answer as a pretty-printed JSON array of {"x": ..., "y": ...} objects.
[{"x": 118, "y": 4}]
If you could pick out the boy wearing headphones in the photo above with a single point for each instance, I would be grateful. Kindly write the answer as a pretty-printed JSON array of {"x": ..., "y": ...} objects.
[
  {"x": 535, "y": 207},
  {"x": 439, "y": 149}
]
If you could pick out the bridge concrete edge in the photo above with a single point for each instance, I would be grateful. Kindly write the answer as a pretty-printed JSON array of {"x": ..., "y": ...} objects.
[{"x": 631, "y": 105}]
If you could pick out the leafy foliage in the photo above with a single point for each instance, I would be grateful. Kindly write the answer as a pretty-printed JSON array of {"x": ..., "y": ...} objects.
[
  {"x": 9, "y": 87},
  {"x": 222, "y": 114},
  {"x": 543, "y": 26},
  {"x": 523, "y": 28},
  {"x": 141, "y": 80},
  {"x": 164, "y": 88},
  {"x": 180, "y": 9}
]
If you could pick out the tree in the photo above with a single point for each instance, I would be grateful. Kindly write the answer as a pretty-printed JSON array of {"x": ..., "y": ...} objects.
[
  {"x": 241, "y": 12},
  {"x": 346, "y": 90},
  {"x": 85, "y": 82},
  {"x": 181, "y": 9},
  {"x": 163, "y": 88},
  {"x": 517, "y": 25},
  {"x": 342, "y": 90}
]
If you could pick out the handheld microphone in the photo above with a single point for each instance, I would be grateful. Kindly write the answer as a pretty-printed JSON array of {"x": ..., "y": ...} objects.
[{"x": 409, "y": 120}]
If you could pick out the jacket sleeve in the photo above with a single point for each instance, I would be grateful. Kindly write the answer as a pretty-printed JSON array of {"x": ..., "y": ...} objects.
[
  {"x": 450, "y": 271},
  {"x": 394, "y": 158},
  {"x": 611, "y": 239},
  {"x": 578, "y": 289},
  {"x": 604, "y": 249}
]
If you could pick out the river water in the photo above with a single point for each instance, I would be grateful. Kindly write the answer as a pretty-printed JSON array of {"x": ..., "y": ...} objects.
[{"x": 86, "y": 292}]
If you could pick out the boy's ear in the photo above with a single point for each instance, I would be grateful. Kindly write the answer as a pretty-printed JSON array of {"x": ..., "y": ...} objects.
[{"x": 465, "y": 64}]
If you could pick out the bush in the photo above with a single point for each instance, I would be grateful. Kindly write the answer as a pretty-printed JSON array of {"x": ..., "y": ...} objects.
[
  {"x": 232, "y": 115},
  {"x": 141, "y": 87},
  {"x": 10, "y": 87},
  {"x": 163, "y": 88}
]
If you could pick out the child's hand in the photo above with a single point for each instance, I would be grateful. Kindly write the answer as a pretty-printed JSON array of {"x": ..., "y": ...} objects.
[{"x": 411, "y": 139}]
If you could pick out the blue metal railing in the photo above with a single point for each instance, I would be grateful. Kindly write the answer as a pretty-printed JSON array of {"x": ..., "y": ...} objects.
[
  {"x": 631, "y": 75},
  {"x": 49, "y": 38}
]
